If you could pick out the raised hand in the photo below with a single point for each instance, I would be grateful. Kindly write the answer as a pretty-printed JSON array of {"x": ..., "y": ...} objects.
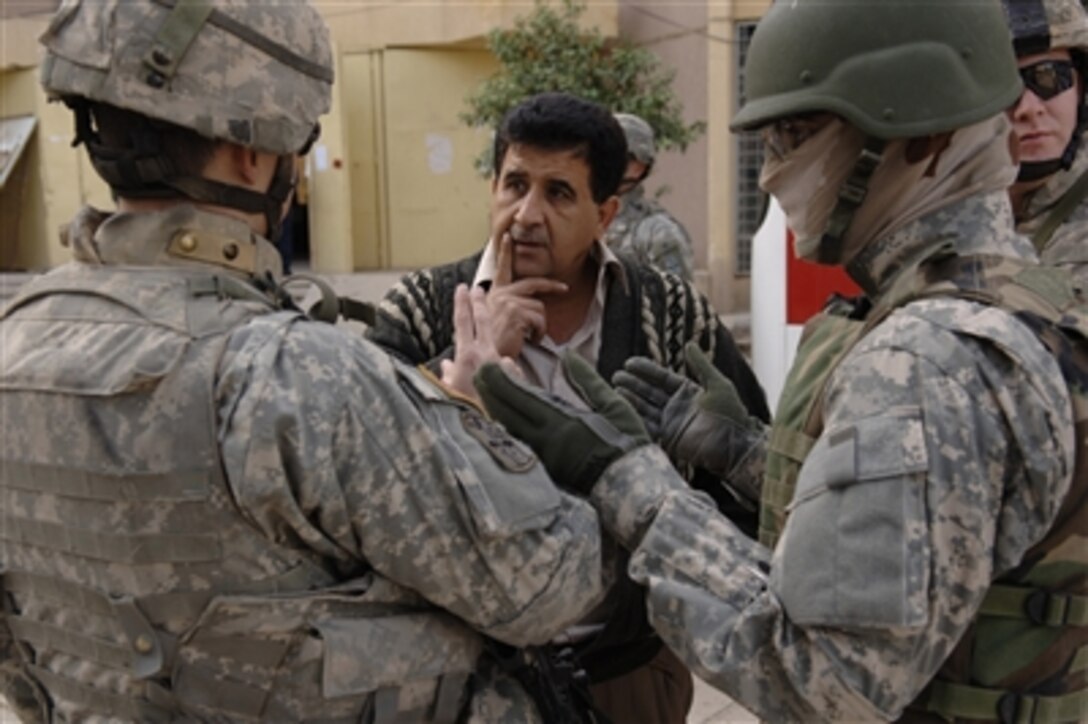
[
  {"x": 700, "y": 421},
  {"x": 473, "y": 343},
  {"x": 516, "y": 312},
  {"x": 575, "y": 445}
]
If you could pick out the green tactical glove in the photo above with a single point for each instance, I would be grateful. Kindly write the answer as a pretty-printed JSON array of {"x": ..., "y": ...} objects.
[
  {"x": 576, "y": 446},
  {"x": 701, "y": 422}
]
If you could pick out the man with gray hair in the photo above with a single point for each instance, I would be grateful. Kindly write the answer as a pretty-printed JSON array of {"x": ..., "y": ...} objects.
[{"x": 642, "y": 227}]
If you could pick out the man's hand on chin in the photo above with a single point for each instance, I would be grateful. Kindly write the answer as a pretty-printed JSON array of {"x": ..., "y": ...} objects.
[
  {"x": 473, "y": 343},
  {"x": 516, "y": 312}
]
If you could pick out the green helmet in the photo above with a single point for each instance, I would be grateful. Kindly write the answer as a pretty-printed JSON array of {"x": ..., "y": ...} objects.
[
  {"x": 258, "y": 74},
  {"x": 893, "y": 68},
  {"x": 640, "y": 138}
]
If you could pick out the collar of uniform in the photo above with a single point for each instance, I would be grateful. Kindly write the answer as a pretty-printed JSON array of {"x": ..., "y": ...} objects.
[
  {"x": 1046, "y": 196},
  {"x": 609, "y": 264},
  {"x": 180, "y": 235},
  {"x": 980, "y": 224}
]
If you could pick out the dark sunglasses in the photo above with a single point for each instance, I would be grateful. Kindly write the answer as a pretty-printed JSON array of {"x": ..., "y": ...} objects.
[{"x": 1048, "y": 78}]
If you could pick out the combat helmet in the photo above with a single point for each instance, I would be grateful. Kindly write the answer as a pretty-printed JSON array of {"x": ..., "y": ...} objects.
[
  {"x": 892, "y": 68},
  {"x": 640, "y": 138},
  {"x": 1039, "y": 26},
  {"x": 257, "y": 74}
]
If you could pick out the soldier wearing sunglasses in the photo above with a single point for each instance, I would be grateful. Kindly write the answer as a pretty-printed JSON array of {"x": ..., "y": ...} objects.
[{"x": 1050, "y": 196}]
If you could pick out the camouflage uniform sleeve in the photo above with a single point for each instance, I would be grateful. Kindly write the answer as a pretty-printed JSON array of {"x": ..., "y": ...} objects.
[
  {"x": 660, "y": 240},
  {"x": 331, "y": 445},
  {"x": 947, "y": 450}
]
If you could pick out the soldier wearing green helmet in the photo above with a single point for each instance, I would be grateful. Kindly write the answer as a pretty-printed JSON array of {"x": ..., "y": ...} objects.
[
  {"x": 1050, "y": 196},
  {"x": 212, "y": 507},
  {"x": 642, "y": 227},
  {"x": 923, "y": 552}
]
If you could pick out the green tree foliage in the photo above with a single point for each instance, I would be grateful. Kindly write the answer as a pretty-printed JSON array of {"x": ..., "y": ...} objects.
[{"x": 547, "y": 51}]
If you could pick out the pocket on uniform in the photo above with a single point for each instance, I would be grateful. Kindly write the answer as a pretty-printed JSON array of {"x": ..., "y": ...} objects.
[
  {"x": 507, "y": 489},
  {"x": 88, "y": 358},
  {"x": 428, "y": 646},
  {"x": 855, "y": 550}
]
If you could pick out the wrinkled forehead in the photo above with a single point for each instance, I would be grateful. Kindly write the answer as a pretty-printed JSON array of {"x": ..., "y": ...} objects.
[{"x": 534, "y": 161}]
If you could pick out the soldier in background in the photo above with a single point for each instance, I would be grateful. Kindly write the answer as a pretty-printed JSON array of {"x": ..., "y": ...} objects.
[
  {"x": 933, "y": 564},
  {"x": 1050, "y": 196},
  {"x": 214, "y": 508},
  {"x": 642, "y": 227}
]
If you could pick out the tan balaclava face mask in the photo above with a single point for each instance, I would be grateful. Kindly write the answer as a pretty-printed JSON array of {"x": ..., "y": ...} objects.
[{"x": 806, "y": 181}]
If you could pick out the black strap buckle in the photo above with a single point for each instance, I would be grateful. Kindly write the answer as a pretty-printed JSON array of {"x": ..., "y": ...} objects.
[
  {"x": 1014, "y": 708},
  {"x": 1044, "y": 608}
]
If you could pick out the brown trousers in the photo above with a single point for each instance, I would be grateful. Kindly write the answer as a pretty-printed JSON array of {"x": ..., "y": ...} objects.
[{"x": 661, "y": 692}]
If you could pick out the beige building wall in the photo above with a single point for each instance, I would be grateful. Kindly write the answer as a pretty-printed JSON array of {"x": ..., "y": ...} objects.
[
  {"x": 676, "y": 33},
  {"x": 52, "y": 180},
  {"x": 393, "y": 186},
  {"x": 698, "y": 41},
  {"x": 393, "y": 176}
]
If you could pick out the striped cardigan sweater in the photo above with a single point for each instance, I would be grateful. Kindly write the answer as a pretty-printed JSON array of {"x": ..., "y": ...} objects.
[{"x": 655, "y": 317}]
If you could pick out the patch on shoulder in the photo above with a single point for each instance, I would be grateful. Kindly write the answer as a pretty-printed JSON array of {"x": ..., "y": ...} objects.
[{"x": 508, "y": 451}]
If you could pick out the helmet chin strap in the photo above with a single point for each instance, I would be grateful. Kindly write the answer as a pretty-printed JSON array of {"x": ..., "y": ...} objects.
[
  {"x": 270, "y": 203},
  {"x": 1035, "y": 170},
  {"x": 143, "y": 171},
  {"x": 851, "y": 195}
]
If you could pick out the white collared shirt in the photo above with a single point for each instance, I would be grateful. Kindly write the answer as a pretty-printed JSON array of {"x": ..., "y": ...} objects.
[{"x": 540, "y": 360}]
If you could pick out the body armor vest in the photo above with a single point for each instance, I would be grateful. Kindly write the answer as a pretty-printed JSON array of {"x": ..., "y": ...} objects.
[
  {"x": 1024, "y": 657},
  {"x": 797, "y": 422},
  {"x": 132, "y": 585}
]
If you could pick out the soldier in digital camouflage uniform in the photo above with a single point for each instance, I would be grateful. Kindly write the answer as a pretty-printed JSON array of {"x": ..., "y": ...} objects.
[
  {"x": 930, "y": 560},
  {"x": 642, "y": 227},
  {"x": 214, "y": 508},
  {"x": 1050, "y": 196}
]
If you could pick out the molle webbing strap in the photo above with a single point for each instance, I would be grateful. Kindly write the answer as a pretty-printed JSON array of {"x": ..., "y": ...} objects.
[
  {"x": 121, "y": 706},
  {"x": 851, "y": 196},
  {"x": 972, "y": 702},
  {"x": 158, "y": 608},
  {"x": 45, "y": 637},
  {"x": 111, "y": 547},
  {"x": 1041, "y": 607},
  {"x": 255, "y": 39},
  {"x": 174, "y": 37},
  {"x": 330, "y": 306},
  {"x": 1061, "y": 211},
  {"x": 95, "y": 486}
]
